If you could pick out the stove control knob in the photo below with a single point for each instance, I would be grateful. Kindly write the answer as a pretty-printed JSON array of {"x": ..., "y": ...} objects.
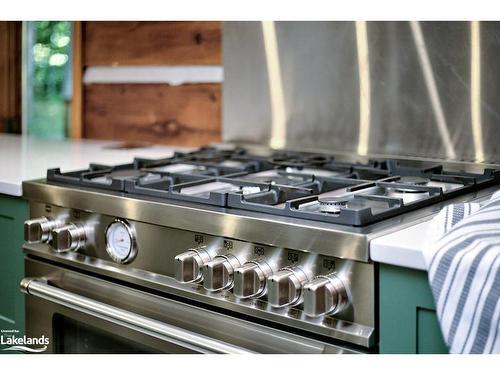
[
  {"x": 324, "y": 295},
  {"x": 218, "y": 273},
  {"x": 189, "y": 265},
  {"x": 38, "y": 230},
  {"x": 285, "y": 286},
  {"x": 70, "y": 237},
  {"x": 250, "y": 279}
]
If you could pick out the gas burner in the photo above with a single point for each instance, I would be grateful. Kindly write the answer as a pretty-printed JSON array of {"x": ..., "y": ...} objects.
[
  {"x": 211, "y": 154},
  {"x": 208, "y": 157},
  {"x": 300, "y": 160},
  {"x": 319, "y": 160},
  {"x": 414, "y": 180},
  {"x": 284, "y": 161},
  {"x": 278, "y": 177},
  {"x": 413, "y": 183},
  {"x": 332, "y": 205}
]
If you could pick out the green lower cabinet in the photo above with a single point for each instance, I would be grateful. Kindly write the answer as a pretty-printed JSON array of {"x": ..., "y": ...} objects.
[
  {"x": 13, "y": 212},
  {"x": 408, "y": 321}
]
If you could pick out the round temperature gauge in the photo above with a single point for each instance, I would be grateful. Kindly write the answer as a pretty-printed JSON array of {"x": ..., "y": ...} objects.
[{"x": 120, "y": 241}]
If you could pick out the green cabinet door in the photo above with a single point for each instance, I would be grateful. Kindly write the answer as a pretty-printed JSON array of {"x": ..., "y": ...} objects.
[
  {"x": 13, "y": 212},
  {"x": 407, "y": 316}
]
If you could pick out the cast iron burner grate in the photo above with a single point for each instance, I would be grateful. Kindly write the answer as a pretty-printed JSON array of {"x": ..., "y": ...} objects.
[
  {"x": 302, "y": 185},
  {"x": 184, "y": 167}
]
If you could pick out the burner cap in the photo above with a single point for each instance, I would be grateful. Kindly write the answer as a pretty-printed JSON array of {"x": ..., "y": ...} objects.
[
  {"x": 414, "y": 180},
  {"x": 299, "y": 160},
  {"x": 318, "y": 159},
  {"x": 288, "y": 161},
  {"x": 332, "y": 205},
  {"x": 413, "y": 183},
  {"x": 212, "y": 154}
]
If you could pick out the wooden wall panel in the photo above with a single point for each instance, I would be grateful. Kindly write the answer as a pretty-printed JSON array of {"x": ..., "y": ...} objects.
[
  {"x": 152, "y": 43},
  {"x": 10, "y": 76},
  {"x": 187, "y": 115},
  {"x": 181, "y": 115}
]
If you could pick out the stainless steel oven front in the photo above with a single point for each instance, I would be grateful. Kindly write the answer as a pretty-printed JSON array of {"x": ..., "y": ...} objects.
[
  {"x": 112, "y": 273},
  {"x": 84, "y": 313}
]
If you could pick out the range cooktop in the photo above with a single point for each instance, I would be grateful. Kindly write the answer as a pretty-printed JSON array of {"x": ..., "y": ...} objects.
[{"x": 294, "y": 184}]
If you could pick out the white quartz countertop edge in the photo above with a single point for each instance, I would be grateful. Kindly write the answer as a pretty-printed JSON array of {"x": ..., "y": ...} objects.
[
  {"x": 402, "y": 248},
  {"x": 24, "y": 158}
]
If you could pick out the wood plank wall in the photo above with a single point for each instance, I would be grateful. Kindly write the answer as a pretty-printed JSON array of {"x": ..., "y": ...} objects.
[
  {"x": 10, "y": 76},
  {"x": 188, "y": 114}
]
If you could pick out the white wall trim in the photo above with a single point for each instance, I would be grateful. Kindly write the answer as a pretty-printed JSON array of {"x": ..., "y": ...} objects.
[{"x": 172, "y": 75}]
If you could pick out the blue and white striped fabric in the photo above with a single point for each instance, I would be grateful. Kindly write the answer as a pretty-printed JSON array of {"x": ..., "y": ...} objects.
[{"x": 463, "y": 262}]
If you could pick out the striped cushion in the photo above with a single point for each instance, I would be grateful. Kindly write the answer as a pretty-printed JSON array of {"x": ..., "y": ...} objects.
[{"x": 463, "y": 262}]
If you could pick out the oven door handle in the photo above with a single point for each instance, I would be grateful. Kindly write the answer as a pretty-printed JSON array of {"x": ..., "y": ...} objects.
[{"x": 40, "y": 288}]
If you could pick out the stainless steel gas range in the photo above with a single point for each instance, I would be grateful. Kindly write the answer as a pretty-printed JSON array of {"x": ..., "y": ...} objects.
[{"x": 222, "y": 250}]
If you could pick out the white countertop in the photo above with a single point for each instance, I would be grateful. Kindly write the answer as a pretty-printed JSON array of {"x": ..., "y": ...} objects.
[
  {"x": 405, "y": 247},
  {"x": 27, "y": 158},
  {"x": 402, "y": 248}
]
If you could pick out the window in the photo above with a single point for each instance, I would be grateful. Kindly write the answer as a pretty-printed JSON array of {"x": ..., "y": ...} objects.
[{"x": 48, "y": 78}]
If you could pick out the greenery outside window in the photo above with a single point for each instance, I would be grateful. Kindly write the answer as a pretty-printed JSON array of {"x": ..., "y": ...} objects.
[{"x": 48, "y": 81}]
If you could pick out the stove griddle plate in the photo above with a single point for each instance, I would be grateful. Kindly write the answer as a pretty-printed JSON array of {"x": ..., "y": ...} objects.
[{"x": 301, "y": 185}]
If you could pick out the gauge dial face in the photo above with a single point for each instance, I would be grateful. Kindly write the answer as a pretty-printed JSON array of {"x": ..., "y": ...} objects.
[{"x": 119, "y": 241}]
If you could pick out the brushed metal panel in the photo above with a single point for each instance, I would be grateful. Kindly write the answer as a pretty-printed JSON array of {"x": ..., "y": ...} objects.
[
  {"x": 255, "y": 337},
  {"x": 434, "y": 87},
  {"x": 247, "y": 111},
  {"x": 157, "y": 246}
]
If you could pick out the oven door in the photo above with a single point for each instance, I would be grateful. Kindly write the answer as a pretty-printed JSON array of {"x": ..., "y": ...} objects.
[{"x": 80, "y": 313}]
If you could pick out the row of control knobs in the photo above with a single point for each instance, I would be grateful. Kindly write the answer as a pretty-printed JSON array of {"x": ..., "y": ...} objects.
[
  {"x": 288, "y": 286},
  {"x": 63, "y": 237}
]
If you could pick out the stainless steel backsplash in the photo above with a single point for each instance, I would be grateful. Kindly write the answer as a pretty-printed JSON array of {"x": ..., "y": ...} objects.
[{"x": 428, "y": 89}]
